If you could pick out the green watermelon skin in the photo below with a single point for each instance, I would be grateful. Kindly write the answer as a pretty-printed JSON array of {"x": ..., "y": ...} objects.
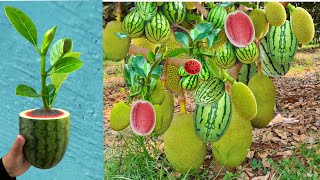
[
  {"x": 217, "y": 15},
  {"x": 282, "y": 43},
  {"x": 247, "y": 71},
  {"x": 157, "y": 30},
  {"x": 175, "y": 12},
  {"x": 46, "y": 140},
  {"x": 225, "y": 57},
  {"x": 206, "y": 72},
  {"x": 247, "y": 54},
  {"x": 146, "y": 10},
  {"x": 133, "y": 24},
  {"x": 189, "y": 82},
  {"x": 268, "y": 66},
  {"x": 182, "y": 72},
  {"x": 209, "y": 92},
  {"x": 211, "y": 122}
]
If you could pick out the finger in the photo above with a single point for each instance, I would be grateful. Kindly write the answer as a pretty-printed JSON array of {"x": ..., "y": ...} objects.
[{"x": 17, "y": 146}]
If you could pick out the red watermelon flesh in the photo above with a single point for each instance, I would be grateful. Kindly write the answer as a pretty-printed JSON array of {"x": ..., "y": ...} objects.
[
  {"x": 192, "y": 66},
  {"x": 142, "y": 118},
  {"x": 239, "y": 29}
]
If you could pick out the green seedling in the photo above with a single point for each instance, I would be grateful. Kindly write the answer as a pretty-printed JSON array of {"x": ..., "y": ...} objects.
[{"x": 63, "y": 61}]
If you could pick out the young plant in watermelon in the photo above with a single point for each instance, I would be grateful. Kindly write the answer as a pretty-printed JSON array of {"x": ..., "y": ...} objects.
[{"x": 46, "y": 130}]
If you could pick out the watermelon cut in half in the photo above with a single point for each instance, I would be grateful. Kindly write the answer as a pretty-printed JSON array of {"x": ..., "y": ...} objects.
[
  {"x": 239, "y": 29},
  {"x": 46, "y": 134},
  {"x": 142, "y": 118},
  {"x": 192, "y": 67}
]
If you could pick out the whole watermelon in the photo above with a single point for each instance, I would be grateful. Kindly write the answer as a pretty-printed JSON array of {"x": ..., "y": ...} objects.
[
  {"x": 175, "y": 12},
  {"x": 158, "y": 29}
]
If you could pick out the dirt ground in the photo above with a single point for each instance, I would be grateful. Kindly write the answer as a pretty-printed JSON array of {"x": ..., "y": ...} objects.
[{"x": 297, "y": 114}]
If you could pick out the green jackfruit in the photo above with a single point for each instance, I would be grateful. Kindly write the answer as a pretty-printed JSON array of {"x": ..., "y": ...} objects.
[
  {"x": 183, "y": 149},
  {"x": 143, "y": 42},
  {"x": 167, "y": 107},
  {"x": 265, "y": 93},
  {"x": 190, "y": 5},
  {"x": 302, "y": 25},
  {"x": 120, "y": 116},
  {"x": 172, "y": 80},
  {"x": 222, "y": 39},
  {"x": 172, "y": 44},
  {"x": 232, "y": 148},
  {"x": 260, "y": 23},
  {"x": 243, "y": 101},
  {"x": 114, "y": 47},
  {"x": 159, "y": 117},
  {"x": 275, "y": 13},
  {"x": 157, "y": 96}
]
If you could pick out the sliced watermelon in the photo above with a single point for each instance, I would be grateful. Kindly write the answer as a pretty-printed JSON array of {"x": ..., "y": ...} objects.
[
  {"x": 192, "y": 67},
  {"x": 142, "y": 118}
]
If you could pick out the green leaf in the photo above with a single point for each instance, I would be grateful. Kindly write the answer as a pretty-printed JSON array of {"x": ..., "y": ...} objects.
[
  {"x": 67, "y": 45},
  {"x": 182, "y": 38},
  {"x": 203, "y": 29},
  {"x": 47, "y": 39},
  {"x": 247, "y": 4},
  {"x": 57, "y": 80},
  {"x": 192, "y": 17},
  {"x": 151, "y": 56},
  {"x": 73, "y": 54},
  {"x": 50, "y": 93},
  {"x": 194, "y": 34},
  {"x": 24, "y": 90},
  {"x": 22, "y": 23},
  {"x": 157, "y": 72},
  {"x": 176, "y": 52},
  {"x": 67, "y": 65},
  {"x": 139, "y": 64},
  {"x": 122, "y": 35},
  {"x": 153, "y": 85},
  {"x": 57, "y": 51},
  {"x": 226, "y": 4},
  {"x": 157, "y": 49}
]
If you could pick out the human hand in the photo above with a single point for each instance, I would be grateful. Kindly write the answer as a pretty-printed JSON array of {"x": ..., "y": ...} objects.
[{"x": 14, "y": 162}]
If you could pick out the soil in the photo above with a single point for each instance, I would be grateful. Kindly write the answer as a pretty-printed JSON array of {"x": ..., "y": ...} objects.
[{"x": 42, "y": 113}]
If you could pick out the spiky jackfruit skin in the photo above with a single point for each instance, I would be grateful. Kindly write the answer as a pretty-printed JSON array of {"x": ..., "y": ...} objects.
[
  {"x": 190, "y": 5},
  {"x": 260, "y": 23},
  {"x": 167, "y": 107},
  {"x": 302, "y": 25},
  {"x": 114, "y": 47},
  {"x": 120, "y": 116},
  {"x": 171, "y": 44},
  {"x": 183, "y": 149},
  {"x": 157, "y": 96},
  {"x": 143, "y": 42},
  {"x": 265, "y": 93},
  {"x": 275, "y": 13},
  {"x": 232, "y": 148},
  {"x": 159, "y": 117},
  {"x": 243, "y": 101},
  {"x": 172, "y": 81}
]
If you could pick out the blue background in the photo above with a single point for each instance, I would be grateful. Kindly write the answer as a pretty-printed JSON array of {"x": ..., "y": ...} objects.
[{"x": 81, "y": 94}]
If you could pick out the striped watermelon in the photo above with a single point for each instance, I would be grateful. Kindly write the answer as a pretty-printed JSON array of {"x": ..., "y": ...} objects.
[
  {"x": 189, "y": 82},
  {"x": 282, "y": 43},
  {"x": 133, "y": 24},
  {"x": 209, "y": 92},
  {"x": 175, "y": 12},
  {"x": 205, "y": 72},
  {"x": 146, "y": 10},
  {"x": 211, "y": 122},
  {"x": 247, "y": 54},
  {"x": 225, "y": 57},
  {"x": 247, "y": 71},
  {"x": 46, "y": 137},
  {"x": 217, "y": 15},
  {"x": 182, "y": 72},
  {"x": 268, "y": 66},
  {"x": 158, "y": 29}
]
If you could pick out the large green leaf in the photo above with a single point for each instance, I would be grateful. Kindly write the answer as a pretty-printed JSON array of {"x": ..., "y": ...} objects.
[
  {"x": 67, "y": 65},
  {"x": 182, "y": 38},
  {"x": 157, "y": 72},
  {"x": 22, "y": 23},
  {"x": 141, "y": 66},
  {"x": 57, "y": 80},
  {"x": 57, "y": 51},
  {"x": 50, "y": 93},
  {"x": 24, "y": 90},
  {"x": 176, "y": 52}
]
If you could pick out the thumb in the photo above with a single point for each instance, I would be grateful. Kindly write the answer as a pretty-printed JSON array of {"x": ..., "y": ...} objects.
[{"x": 17, "y": 146}]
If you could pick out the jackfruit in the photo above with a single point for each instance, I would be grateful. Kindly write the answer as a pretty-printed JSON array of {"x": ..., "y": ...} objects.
[
  {"x": 183, "y": 149},
  {"x": 275, "y": 13},
  {"x": 159, "y": 117},
  {"x": 222, "y": 39},
  {"x": 243, "y": 101},
  {"x": 190, "y": 5},
  {"x": 260, "y": 23},
  {"x": 114, "y": 47},
  {"x": 157, "y": 96},
  {"x": 143, "y": 42},
  {"x": 264, "y": 91},
  {"x": 172, "y": 44},
  {"x": 120, "y": 116},
  {"x": 172, "y": 80},
  {"x": 302, "y": 25},
  {"x": 167, "y": 107},
  {"x": 232, "y": 148}
]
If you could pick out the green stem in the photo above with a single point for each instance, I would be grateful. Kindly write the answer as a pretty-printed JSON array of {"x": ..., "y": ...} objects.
[
  {"x": 43, "y": 82},
  {"x": 291, "y": 8},
  {"x": 226, "y": 77}
]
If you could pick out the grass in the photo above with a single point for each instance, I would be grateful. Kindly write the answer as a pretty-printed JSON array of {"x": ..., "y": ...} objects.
[{"x": 113, "y": 69}]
